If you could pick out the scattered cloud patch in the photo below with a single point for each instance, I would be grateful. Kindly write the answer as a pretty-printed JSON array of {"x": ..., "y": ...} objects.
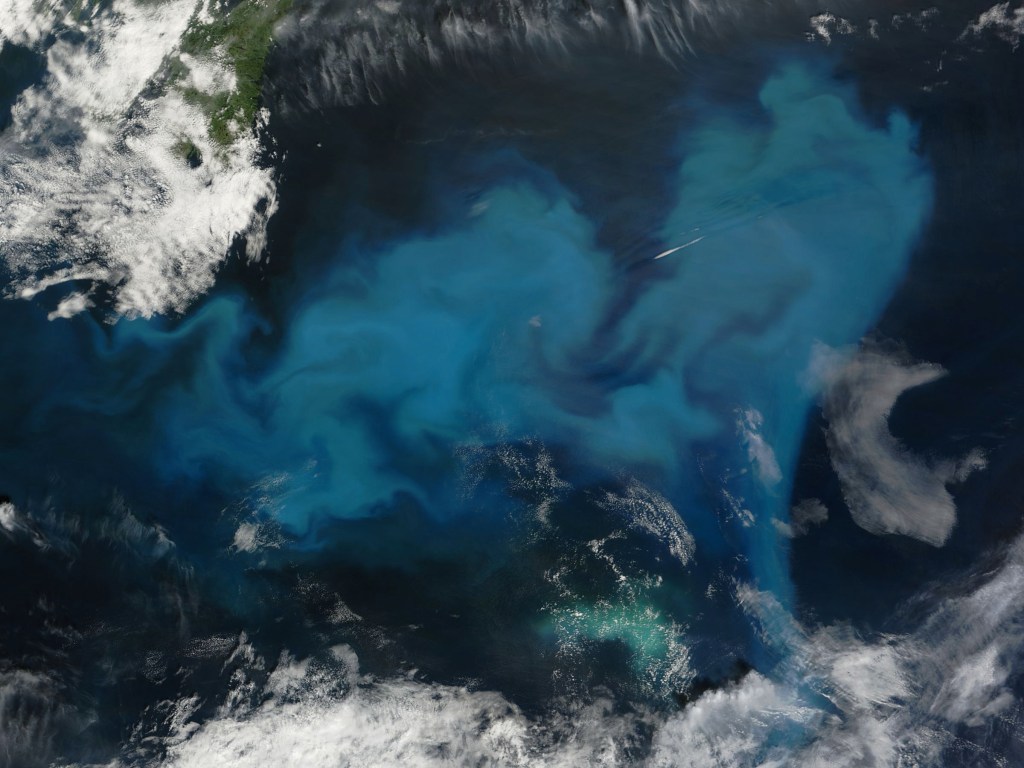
[
  {"x": 9, "y": 518},
  {"x": 24, "y": 22},
  {"x": 802, "y": 517},
  {"x": 1006, "y": 23},
  {"x": 647, "y": 510},
  {"x": 888, "y": 488},
  {"x": 252, "y": 537},
  {"x": 760, "y": 453},
  {"x": 902, "y": 699},
  {"x": 825, "y": 25},
  {"x": 70, "y": 306}
]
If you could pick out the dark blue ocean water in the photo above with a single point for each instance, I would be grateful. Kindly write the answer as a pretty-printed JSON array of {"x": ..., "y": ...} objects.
[{"x": 523, "y": 384}]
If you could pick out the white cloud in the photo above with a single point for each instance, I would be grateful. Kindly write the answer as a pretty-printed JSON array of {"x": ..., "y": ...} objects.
[
  {"x": 802, "y": 517},
  {"x": 9, "y": 518},
  {"x": 732, "y": 727},
  {"x": 246, "y": 538},
  {"x": 759, "y": 452},
  {"x": 70, "y": 306},
  {"x": 24, "y": 22},
  {"x": 1007, "y": 25},
  {"x": 976, "y": 690},
  {"x": 903, "y": 697},
  {"x": 824, "y": 25},
  {"x": 93, "y": 187},
  {"x": 888, "y": 488},
  {"x": 326, "y": 713},
  {"x": 527, "y": 468},
  {"x": 834, "y": 700},
  {"x": 647, "y": 510}
]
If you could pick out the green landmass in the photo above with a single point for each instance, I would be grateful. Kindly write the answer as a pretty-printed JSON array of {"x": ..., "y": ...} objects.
[
  {"x": 187, "y": 150},
  {"x": 244, "y": 33}
]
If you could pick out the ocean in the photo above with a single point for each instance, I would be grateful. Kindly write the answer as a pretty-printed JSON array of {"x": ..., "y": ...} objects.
[{"x": 614, "y": 387}]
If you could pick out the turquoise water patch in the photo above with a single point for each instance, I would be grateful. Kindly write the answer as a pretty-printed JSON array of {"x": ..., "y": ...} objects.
[{"x": 793, "y": 224}]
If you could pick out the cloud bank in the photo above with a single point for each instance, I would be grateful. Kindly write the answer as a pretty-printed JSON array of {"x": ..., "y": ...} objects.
[
  {"x": 835, "y": 699},
  {"x": 95, "y": 190}
]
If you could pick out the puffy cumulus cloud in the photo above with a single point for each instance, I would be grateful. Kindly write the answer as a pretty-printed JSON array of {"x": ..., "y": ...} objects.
[
  {"x": 1006, "y": 23},
  {"x": 94, "y": 185},
  {"x": 326, "y": 712},
  {"x": 888, "y": 488},
  {"x": 254, "y": 536},
  {"x": 647, "y": 510},
  {"x": 736, "y": 726},
  {"x": 824, "y": 25},
  {"x": 9, "y": 521},
  {"x": 25, "y": 22},
  {"x": 527, "y": 468},
  {"x": 70, "y": 306}
]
